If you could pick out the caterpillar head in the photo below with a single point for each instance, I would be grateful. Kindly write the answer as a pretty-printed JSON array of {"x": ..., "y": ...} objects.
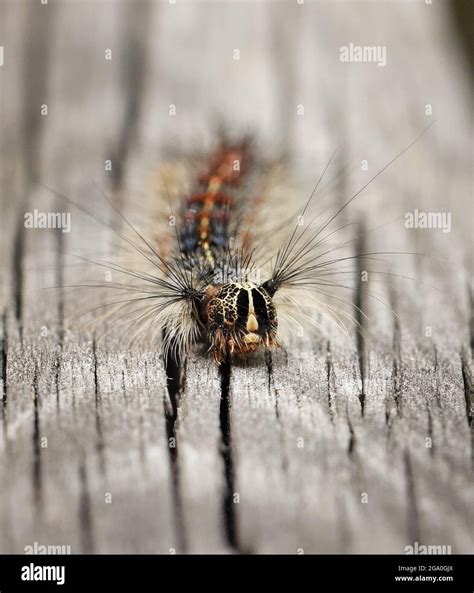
[{"x": 239, "y": 318}]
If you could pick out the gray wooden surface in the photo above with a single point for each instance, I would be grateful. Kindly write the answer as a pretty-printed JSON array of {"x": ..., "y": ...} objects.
[{"x": 333, "y": 444}]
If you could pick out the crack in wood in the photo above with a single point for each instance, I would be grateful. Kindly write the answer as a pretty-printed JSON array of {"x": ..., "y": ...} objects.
[
  {"x": 228, "y": 506},
  {"x": 328, "y": 376},
  {"x": 100, "y": 444},
  {"x": 468, "y": 397},
  {"x": 36, "y": 469},
  {"x": 468, "y": 388},
  {"x": 352, "y": 439},
  {"x": 18, "y": 254},
  {"x": 4, "y": 363},
  {"x": 270, "y": 382},
  {"x": 175, "y": 381},
  {"x": 360, "y": 305},
  {"x": 430, "y": 430},
  {"x": 274, "y": 392},
  {"x": 60, "y": 284}
]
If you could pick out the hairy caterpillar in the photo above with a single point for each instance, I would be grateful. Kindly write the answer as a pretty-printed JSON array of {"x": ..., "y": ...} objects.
[{"x": 216, "y": 278}]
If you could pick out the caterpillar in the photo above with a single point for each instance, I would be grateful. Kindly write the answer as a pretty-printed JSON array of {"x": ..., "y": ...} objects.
[{"x": 215, "y": 278}]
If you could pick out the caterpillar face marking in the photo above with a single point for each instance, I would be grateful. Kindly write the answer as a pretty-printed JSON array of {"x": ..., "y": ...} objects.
[{"x": 240, "y": 317}]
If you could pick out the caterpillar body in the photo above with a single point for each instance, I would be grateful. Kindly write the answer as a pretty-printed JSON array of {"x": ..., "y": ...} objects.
[
  {"x": 236, "y": 277},
  {"x": 236, "y": 315}
]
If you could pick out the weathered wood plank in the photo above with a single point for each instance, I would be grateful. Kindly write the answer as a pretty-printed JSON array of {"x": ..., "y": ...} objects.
[{"x": 334, "y": 444}]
